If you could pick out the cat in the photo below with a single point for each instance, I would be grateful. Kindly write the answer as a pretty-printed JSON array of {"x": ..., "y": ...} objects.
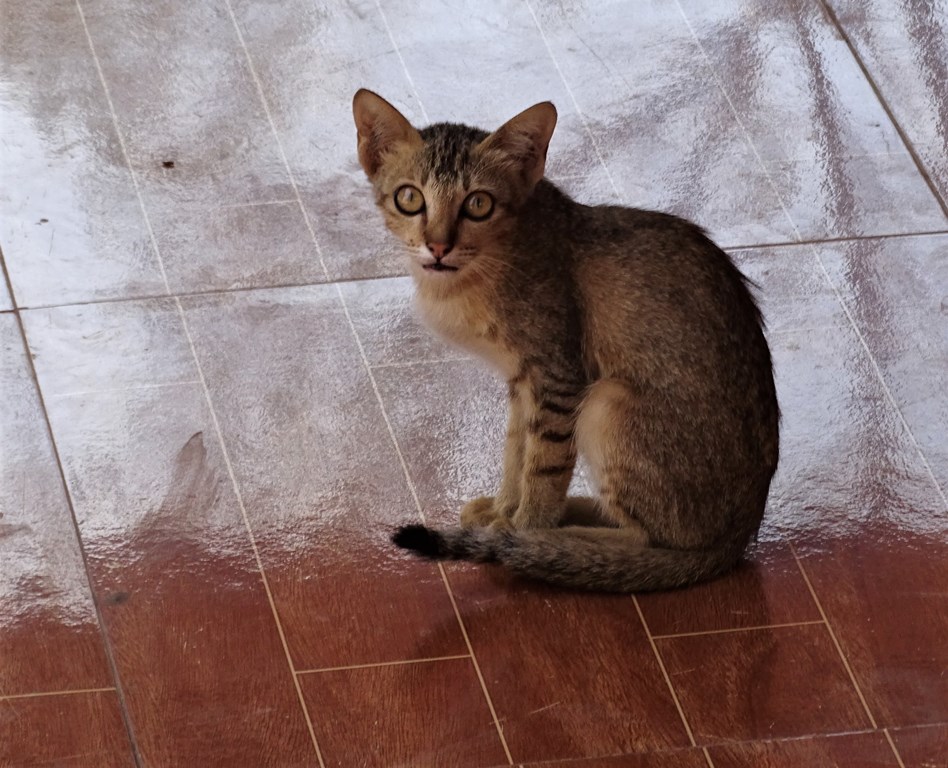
[{"x": 624, "y": 335}]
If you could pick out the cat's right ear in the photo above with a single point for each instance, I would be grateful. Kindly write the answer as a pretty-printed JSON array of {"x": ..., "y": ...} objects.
[{"x": 380, "y": 128}]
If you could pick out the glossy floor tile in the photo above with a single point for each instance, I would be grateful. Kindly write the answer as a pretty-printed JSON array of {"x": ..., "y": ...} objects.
[
  {"x": 71, "y": 730},
  {"x": 923, "y": 747},
  {"x": 858, "y": 750},
  {"x": 762, "y": 684},
  {"x": 217, "y": 402},
  {"x": 51, "y": 640}
]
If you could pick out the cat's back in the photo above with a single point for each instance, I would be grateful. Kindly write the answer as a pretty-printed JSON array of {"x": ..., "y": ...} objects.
[{"x": 654, "y": 287}]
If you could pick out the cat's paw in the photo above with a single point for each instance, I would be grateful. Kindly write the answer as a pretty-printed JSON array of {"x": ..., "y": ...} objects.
[{"x": 478, "y": 513}]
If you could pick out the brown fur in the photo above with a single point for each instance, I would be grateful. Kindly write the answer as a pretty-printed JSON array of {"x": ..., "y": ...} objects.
[{"x": 624, "y": 335}]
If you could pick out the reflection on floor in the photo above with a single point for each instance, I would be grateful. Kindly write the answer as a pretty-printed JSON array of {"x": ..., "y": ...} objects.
[{"x": 216, "y": 402}]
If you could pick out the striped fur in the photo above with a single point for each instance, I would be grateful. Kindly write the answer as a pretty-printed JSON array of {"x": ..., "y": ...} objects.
[{"x": 624, "y": 335}]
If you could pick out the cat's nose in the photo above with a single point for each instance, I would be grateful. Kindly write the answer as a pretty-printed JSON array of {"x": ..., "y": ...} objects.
[{"x": 440, "y": 250}]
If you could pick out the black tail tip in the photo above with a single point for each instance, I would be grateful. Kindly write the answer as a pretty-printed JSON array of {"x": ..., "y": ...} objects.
[{"x": 421, "y": 540}]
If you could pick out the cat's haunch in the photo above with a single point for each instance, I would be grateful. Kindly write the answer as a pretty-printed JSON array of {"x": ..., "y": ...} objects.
[{"x": 624, "y": 335}]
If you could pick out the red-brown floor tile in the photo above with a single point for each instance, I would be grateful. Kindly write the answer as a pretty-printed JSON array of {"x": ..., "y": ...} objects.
[
  {"x": 895, "y": 290},
  {"x": 70, "y": 224},
  {"x": 425, "y": 713},
  {"x": 923, "y": 747},
  {"x": 238, "y": 247},
  {"x": 388, "y": 326},
  {"x": 187, "y": 106},
  {"x": 571, "y": 675},
  {"x": 847, "y": 459},
  {"x": 205, "y": 675},
  {"x": 49, "y": 633},
  {"x": 838, "y": 170},
  {"x": 320, "y": 479},
  {"x": 450, "y": 421},
  {"x": 884, "y": 593},
  {"x": 660, "y": 122},
  {"x": 791, "y": 289},
  {"x": 81, "y": 730},
  {"x": 902, "y": 45},
  {"x": 684, "y": 758},
  {"x": 588, "y": 681},
  {"x": 859, "y": 750},
  {"x": 763, "y": 683},
  {"x": 767, "y": 588},
  {"x": 310, "y": 63}
]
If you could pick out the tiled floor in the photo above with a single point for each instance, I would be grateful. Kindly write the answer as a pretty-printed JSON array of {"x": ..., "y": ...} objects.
[{"x": 215, "y": 402}]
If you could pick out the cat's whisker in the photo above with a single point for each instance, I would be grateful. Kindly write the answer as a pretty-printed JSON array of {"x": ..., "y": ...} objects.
[{"x": 607, "y": 324}]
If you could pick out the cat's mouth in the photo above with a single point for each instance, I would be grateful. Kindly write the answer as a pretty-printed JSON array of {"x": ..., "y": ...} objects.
[{"x": 439, "y": 267}]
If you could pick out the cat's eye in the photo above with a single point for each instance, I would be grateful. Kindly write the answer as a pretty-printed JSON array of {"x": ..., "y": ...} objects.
[
  {"x": 409, "y": 200},
  {"x": 478, "y": 206}
]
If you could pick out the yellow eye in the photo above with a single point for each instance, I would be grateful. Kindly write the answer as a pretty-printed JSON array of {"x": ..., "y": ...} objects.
[
  {"x": 409, "y": 200},
  {"x": 478, "y": 206}
]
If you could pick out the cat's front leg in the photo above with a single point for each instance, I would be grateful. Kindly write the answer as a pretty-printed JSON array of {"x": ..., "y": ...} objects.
[
  {"x": 497, "y": 510},
  {"x": 549, "y": 453}
]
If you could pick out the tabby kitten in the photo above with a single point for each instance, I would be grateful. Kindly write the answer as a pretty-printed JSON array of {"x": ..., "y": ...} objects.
[{"x": 624, "y": 335}]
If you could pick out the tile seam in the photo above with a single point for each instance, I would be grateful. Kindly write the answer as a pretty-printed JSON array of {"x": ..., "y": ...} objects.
[
  {"x": 207, "y": 395},
  {"x": 376, "y": 665},
  {"x": 836, "y": 644},
  {"x": 895, "y": 751},
  {"x": 736, "y": 630},
  {"x": 214, "y": 292},
  {"x": 923, "y": 171},
  {"x": 345, "y": 308},
  {"x": 46, "y": 694},
  {"x": 666, "y": 676}
]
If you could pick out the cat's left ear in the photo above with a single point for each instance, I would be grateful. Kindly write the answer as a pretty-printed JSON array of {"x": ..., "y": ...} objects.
[
  {"x": 380, "y": 128},
  {"x": 525, "y": 138}
]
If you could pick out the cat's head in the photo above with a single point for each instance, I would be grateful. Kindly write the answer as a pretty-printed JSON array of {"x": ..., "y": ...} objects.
[{"x": 450, "y": 192}]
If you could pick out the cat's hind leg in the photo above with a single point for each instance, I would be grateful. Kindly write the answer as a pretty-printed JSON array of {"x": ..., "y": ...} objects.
[{"x": 600, "y": 433}]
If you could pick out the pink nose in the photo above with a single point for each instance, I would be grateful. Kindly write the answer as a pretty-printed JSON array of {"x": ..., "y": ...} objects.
[{"x": 440, "y": 250}]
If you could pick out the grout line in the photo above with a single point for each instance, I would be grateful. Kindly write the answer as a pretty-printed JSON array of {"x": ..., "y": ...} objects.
[
  {"x": 922, "y": 170},
  {"x": 71, "y": 692},
  {"x": 398, "y": 52},
  {"x": 374, "y": 278},
  {"x": 895, "y": 751},
  {"x": 477, "y": 666},
  {"x": 738, "y": 629},
  {"x": 430, "y": 361},
  {"x": 207, "y": 395},
  {"x": 668, "y": 682},
  {"x": 253, "y": 541},
  {"x": 833, "y": 240},
  {"x": 255, "y": 204},
  {"x": 368, "y": 368},
  {"x": 707, "y": 757},
  {"x": 113, "y": 390},
  {"x": 829, "y": 627},
  {"x": 382, "y": 664},
  {"x": 103, "y": 635},
  {"x": 215, "y": 291},
  {"x": 579, "y": 111}
]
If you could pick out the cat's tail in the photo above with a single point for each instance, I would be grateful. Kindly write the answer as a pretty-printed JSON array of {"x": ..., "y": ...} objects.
[{"x": 602, "y": 559}]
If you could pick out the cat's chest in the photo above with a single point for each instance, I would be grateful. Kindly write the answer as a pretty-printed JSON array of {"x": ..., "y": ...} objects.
[{"x": 471, "y": 325}]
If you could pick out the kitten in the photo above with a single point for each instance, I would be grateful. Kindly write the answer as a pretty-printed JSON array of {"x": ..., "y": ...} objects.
[{"x": 624, "y": 335}]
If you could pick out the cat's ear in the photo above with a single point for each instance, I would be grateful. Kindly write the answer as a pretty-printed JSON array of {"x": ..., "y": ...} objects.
[
  {"x": 380, "y": 128},
  {"x": 525, "y": 139}
]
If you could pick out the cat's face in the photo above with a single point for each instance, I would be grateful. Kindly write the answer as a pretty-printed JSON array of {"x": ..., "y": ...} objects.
[{"x": 450, "y": 193}]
